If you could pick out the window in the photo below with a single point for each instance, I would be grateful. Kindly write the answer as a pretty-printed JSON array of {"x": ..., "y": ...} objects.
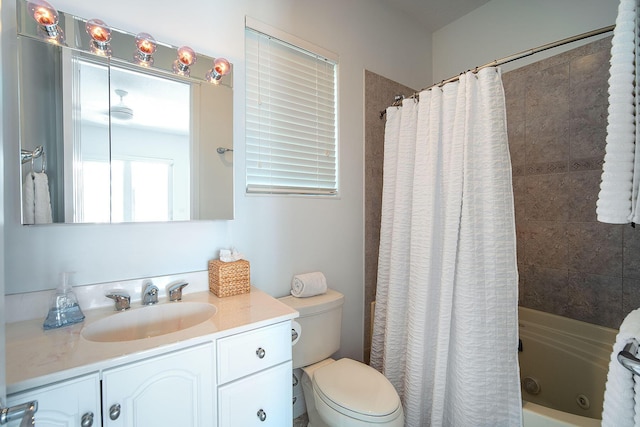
[{"x": 291, "y": 136}]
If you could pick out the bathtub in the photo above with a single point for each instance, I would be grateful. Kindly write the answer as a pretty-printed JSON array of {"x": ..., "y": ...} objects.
[{"x": 563, "y": 369}]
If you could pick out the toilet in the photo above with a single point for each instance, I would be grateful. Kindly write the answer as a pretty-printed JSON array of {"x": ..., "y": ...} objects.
[{"x": 338, "y": 393}]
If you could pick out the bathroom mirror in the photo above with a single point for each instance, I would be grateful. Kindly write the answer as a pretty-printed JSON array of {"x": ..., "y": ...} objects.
[{"x": 120, "y": 139}]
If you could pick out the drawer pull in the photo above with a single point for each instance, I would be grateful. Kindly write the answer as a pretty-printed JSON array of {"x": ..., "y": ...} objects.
[
  {"x": 114, "y": 411},
  {"x": 262, "y": 415},
  {"x": 87, "y": 420},
  {"x": 260, "y": 352}
]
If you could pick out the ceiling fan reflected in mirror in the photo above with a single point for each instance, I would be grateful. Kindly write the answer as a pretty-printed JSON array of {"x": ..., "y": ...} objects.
[{"x": 121, "y": 111}]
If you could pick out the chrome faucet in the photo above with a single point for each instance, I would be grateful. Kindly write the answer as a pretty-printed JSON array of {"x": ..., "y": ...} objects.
[
  {"x": 175, "y": 290},
  {"x": 121, "y": 298},
  {"x": 150, "y": 293}
]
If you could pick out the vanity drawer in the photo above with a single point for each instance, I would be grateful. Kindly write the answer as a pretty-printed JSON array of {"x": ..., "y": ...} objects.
[
  {"x": 260, "y": 400},
  {"x": 253, "y": 351}
]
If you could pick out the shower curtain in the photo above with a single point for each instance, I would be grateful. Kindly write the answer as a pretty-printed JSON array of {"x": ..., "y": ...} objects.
[{"x": 445, "y": 323}]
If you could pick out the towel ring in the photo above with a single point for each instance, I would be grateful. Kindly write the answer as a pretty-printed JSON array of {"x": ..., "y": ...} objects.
[{"x": 627, "y": 357}]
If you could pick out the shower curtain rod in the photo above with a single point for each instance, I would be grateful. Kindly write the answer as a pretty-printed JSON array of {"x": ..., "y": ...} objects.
[{"x": 510, "y": 58}]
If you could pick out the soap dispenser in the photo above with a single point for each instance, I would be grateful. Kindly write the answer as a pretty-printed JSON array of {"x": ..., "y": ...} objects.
[{"x": 64, "y": 309}]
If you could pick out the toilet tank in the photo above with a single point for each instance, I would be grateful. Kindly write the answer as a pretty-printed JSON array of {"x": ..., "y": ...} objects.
[{"x": 320, "y": 323}]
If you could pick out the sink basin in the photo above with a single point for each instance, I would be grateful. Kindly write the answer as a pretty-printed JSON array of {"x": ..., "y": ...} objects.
[{"x": 147, "y": 322}]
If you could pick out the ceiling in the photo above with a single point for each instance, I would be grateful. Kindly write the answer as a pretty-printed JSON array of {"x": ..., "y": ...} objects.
[{"x": 435, "y": 14}]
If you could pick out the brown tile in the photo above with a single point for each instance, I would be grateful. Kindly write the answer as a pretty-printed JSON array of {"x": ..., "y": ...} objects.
[
  {"x": 547, "y": 137},
  {"x": 515, "y": 131},
  {"x": 519, "y": 197},
  {"x": 545, "y": 244},
  {"x": 595, "y": 248},
  {"x": 588, "y": 77},
  {"x": 630, "y": 295},
  {"x": 593, "y": 163},
  {"x": 546, "y": 197},
  {"x": 546, "y": 168},
  {"x": 582, "y": 190},
  {"x": 548, "y": 90},
  {"x": 544, "y": 289},
  {"x": 631, "y": 252},
  {"x": 588, "y": 131},
  {"x": 594, "y": 299}
]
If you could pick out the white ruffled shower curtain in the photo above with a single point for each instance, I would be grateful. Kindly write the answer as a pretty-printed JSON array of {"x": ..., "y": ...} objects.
[{"x": 445, "y": 323}]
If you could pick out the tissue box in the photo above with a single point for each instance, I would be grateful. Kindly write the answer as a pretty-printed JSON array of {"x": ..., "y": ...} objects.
[{"x": 229, "y": 278}]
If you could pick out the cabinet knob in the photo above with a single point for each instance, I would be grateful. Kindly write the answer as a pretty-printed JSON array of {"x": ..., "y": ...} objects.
[
  {"x": 114, "y": 411},
  {"x": 260, "y": 352},
  {"x": 262, "y": 415},
  {"x": 87, "y": 420}
]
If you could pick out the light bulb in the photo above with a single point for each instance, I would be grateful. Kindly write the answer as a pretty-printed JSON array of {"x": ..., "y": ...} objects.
[
  {"x": 186, "y": 58},
  {"x": 45, "y": 15},
  {"x": 220, "y": 67},
  {"x": 146, "y": 46},
  {"x": 100, "y": 34}
]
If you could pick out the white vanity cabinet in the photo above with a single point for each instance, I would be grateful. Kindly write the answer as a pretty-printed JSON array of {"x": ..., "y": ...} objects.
[
  {"x": 233, "y": 370},
  {"x": 173, "y": 389},
  {"x": 254, "y": 378},
  {"x": 70, "y": 403}
]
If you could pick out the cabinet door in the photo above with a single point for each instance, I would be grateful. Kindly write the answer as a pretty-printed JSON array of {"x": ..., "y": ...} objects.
[
  {"x": 174, "y": 389},
  {"x": 68, "y": 403},
  {"x": 262, "y": 399}
]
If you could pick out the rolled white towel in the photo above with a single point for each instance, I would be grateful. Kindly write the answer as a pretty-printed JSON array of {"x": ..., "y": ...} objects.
[{"x": 308, "y": 284}]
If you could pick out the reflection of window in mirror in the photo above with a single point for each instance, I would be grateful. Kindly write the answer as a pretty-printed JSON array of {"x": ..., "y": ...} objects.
[
  {"x": 140, "y": 125},
  {"x": 141, "y": 190}
]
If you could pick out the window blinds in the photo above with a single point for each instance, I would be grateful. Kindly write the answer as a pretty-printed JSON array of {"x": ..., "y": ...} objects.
[{"x": 291, "y": 139}]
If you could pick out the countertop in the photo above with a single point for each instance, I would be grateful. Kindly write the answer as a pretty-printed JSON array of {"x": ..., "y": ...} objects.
[{"x": 35, "y": 357}]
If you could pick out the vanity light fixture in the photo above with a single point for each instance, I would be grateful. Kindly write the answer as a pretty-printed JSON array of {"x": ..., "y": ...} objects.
[
  {"x": 220, "y": 67},
  {"x": 186, "y": 58},
  {"x": 100, "y": 34},
  {"x": 47, "y": 18},
  {"x": 146, "y": 47}
]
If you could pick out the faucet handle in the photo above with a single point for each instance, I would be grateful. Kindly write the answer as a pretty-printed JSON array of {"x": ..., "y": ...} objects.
[
  {"x": 122, "y": 299},
  {"x": 175, "y": 290},
  {"x": 149, "y": 293}
]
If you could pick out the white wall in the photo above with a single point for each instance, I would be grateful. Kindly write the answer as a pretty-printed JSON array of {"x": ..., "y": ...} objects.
[
  {"x": 281, "y": 236},
  {"x": 503, "y": 27}
]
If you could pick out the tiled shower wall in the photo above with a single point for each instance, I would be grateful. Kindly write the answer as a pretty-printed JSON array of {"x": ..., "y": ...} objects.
[{"x": 569, "y": 264}]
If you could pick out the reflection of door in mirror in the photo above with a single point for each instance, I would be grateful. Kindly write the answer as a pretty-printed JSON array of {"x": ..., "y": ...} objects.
[{"x": 131, "y": 146}]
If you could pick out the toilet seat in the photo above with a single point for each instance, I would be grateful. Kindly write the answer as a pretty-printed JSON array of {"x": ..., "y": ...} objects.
[{"x": 357, "y": 391}]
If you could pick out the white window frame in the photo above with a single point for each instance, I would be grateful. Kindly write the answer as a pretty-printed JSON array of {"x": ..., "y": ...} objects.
[{"x": 309, "y": 164}]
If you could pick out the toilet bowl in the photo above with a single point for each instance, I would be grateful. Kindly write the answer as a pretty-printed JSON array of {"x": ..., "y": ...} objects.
[
  {"x": 351, "y": 394},
  {"x": 342, "y": 393}
]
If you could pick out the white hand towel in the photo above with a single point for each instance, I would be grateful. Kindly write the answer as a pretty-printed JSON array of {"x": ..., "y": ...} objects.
[
  {"x": 621, "y": 175},
  {"x": 308, "y": 284},
  {"x": 41, "y": 199},
  {"x": 621, "y": 403},
  {"x": 28, "y": 211}
]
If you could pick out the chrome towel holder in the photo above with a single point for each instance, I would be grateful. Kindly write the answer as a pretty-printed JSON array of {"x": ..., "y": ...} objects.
[{"x": 627, "y": 357}]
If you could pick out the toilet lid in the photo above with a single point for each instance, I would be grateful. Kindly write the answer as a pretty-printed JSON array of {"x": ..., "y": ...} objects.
[{"x": 357, "y": 388}]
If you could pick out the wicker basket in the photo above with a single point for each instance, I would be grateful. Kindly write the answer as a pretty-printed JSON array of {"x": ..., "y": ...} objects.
[{"x": 229, "y": 278}]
